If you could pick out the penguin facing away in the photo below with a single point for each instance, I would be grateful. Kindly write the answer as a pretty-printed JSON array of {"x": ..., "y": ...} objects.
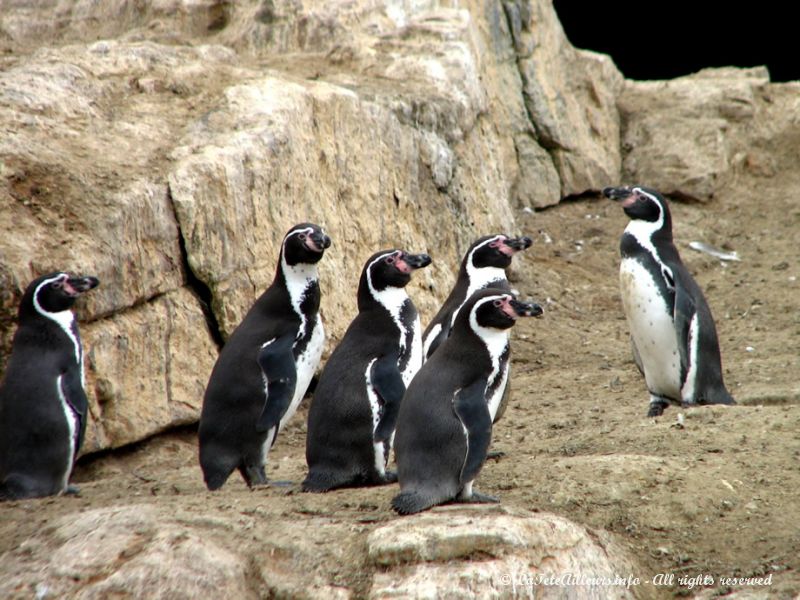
[
  {"x": 266, "y": 366},
  {"x": 43, "y": 405},
  {"x": 444, "y": 427},
  {"x": 483, "y": 266},
  {"x": 352, "y": 416},
  {"x": 672, "y": 330}
]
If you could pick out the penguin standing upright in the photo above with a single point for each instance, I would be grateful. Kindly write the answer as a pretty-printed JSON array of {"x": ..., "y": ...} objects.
[
  {"x": 484, "y": 265},
  {"x": 354, "y": 409},
  {"x": 672, "y": 330},
  {"x": 266, "y": 366},
  {"x": 43, "y": 406},
  {"x": 444, "y": 427}
]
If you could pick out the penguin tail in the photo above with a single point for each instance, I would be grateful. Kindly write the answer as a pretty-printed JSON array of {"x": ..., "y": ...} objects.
[
  {"x": 411, "y": 502},
  {"x": 718, "y": 395}
]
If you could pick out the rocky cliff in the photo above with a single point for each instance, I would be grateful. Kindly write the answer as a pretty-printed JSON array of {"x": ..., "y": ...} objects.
[{"x": 166, "y": 146}]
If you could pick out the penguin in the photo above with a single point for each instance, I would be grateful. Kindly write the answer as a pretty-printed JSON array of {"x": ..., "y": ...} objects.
[
  {"x": 674, "y": 338},
  {"x": 266, "y": 365},
  {"x": 43, "y": 405},
  {"x": 444, "y": 427},
  {"x": 484, "y": 265},
  {"x": 353, "y": 412}
]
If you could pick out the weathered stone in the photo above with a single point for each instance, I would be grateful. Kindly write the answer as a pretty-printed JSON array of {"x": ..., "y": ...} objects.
[
  {"x": 147, "y": 368},
  {"x": 681, "y": 136},
  {"x": 243, "y": 180},
  {"x": 493, "y": 552},
  {"x": 127, "y": 550},
  {"x": 570, "y": 96}
]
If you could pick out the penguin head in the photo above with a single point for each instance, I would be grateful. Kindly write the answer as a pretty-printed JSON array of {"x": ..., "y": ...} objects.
[
  {"x": 55, "y": 292},
  {"x": 640, "y": 203},
  {"x": 494, "y": 308},
  {"x": 391, "y": 268},
  {"x": 496, "y": 250},
  {"x": 304, "y": 243}
]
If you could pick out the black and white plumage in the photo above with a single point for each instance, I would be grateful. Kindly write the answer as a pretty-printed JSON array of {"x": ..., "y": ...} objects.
[
  {"x": 444, "y": 427},
  {"x": 266, "y": 366},
  {"x": 352, "y": 416},
  {"x": 43, "y": 405},
  {"x": 673, "y": 333},
  {"x": 484, "y": 265}
]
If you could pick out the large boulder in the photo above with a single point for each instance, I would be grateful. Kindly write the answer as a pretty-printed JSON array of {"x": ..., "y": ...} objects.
[
  {"x": 495, "y": 552},
  {"x": 687, "y": 136}
]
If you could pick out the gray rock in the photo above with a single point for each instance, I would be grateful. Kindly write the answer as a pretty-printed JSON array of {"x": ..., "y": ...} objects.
[{"x": 494, "y": 552}]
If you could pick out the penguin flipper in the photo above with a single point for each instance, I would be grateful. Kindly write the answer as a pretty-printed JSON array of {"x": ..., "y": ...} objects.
[
  {"x": 388, "y": 384},
  {"x": 470, "y": 406},
  {"x": 75, "y": 397},
  {"x": 278, "y": 367},
  {"x": 682, "y": 316}
]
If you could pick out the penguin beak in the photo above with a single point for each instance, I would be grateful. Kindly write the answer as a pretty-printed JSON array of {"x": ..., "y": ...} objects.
[
  {"x": 318, "y": 241},
  {"x": 617, "y": 193},
  {"x": 75, "y": 286},
  {"x": 520, "y": 243},
  {"x": 526, "y": 309},
  {"x": 416, "y": 261}
]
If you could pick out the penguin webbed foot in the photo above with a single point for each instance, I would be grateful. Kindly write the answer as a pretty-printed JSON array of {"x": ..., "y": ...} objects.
[
  {"x": 388, "y": 477},
  {"x": 495, "y": 454},
  {"x": 282, "y": 483},
  {"x": 478, "y": 498},
  {"x": 657, "y": 406},
  {"x": 72, "y": 490},
  {"x": 254, "y": 477}
]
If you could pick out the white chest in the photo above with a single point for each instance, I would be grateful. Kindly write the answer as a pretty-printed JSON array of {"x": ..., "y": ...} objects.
[{"x": 652, "y": 328}]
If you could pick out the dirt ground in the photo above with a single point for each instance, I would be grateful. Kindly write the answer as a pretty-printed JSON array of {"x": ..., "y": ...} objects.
[{"x": 717, "y": 495}]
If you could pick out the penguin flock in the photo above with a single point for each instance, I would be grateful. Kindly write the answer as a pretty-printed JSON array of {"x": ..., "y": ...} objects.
[{"x": 430, "y": 396}]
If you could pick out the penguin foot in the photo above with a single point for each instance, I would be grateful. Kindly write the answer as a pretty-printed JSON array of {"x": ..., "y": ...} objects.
[
  {"x": 72, "y": 490},
  {"x": 657, "y": 405},
  {"x": 388, "y": 477},
  {"x": 478, "y": 498},
  {"x": 278, "y": 483},
  {"x": 409, "y": 503},
  {"x": 495, "y": 454}
]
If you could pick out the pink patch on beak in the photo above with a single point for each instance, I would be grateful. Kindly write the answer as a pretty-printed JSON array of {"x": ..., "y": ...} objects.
[
  {"x": 503, "y": 247},
  {"x": 629, "y": 201},
  {"x": 402, "y": 265},
  {"x": 69, "y": 289},
  {"x": 311, "y": 244},
  {"x": 508, "y": 309}
]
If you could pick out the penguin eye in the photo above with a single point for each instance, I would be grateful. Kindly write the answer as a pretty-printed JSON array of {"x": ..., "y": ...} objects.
[
  {"x": 302, "y": 237},
  {"x": 57, "y": 285},
  {"x": 390, "y": 260},
  {"x": 498, "y": 303}
]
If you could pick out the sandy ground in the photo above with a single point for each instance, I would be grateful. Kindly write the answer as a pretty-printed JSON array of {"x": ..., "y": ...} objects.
[{"x": 717, "y": 496}]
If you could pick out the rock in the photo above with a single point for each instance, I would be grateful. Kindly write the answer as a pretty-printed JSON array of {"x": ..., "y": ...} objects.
[
  {"x": 125, "y": 550},
  {"x": 490, "y": 552},
  {"x": 681, "y": 136},
  {"x": 147, "y": 368},
  {"x": 570, "y": 96},
  {"x": 273, "y": 155}
]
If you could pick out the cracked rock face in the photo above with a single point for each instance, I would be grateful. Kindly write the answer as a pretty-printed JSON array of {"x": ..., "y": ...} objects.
[{"x": 170, "y": 156}]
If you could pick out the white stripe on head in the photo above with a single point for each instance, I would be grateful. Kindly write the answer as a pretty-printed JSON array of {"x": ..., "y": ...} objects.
[
  {"x": 480, "y": 277},
  {"x": 298, "y": 278},
  {"x": 391, "y": 298},
  {"x": 495, "y": 340},
  {"x": 64, "y": 318},
  {"x": 642, "y": 230}
]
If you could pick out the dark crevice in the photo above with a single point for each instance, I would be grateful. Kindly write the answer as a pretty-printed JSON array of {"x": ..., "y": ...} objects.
[
  {"x": 517, "y": 18},
  {"x": 196, "y": 285}
]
